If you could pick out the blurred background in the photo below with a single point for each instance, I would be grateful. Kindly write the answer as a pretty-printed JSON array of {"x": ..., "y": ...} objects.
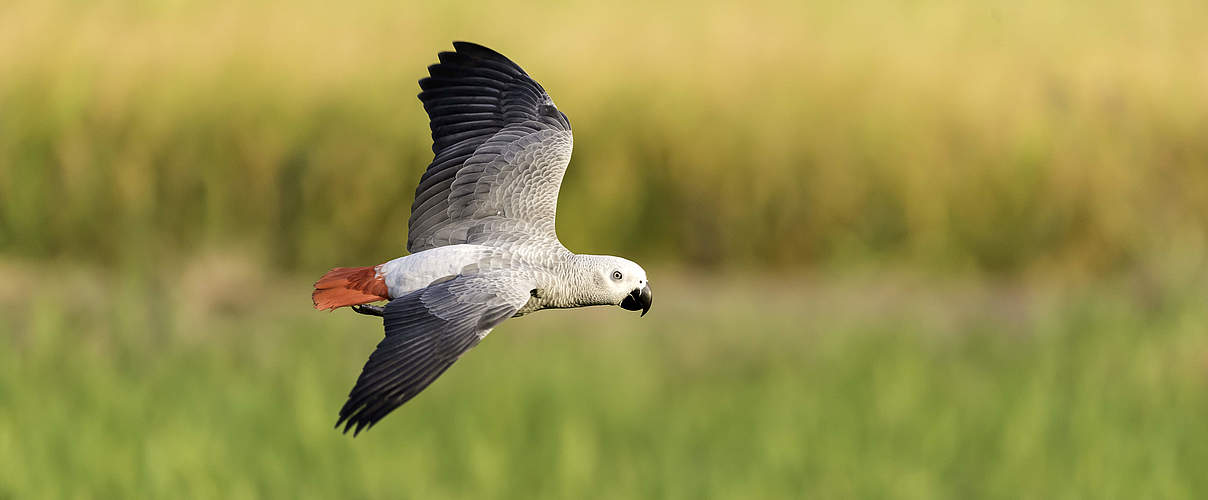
[{"x": 901, "y": 250}]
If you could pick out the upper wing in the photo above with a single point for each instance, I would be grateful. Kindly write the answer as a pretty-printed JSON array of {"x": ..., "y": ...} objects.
[
  {"x": 501, "y": 148},
  {"x": 426, "y": 331}
]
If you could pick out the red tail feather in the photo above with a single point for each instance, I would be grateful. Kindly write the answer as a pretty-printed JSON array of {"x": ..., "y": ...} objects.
[{"x": 349, "y": 286}]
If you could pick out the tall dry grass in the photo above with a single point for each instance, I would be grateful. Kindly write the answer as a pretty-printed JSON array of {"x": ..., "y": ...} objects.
[{"x": 1014, "y": 137}]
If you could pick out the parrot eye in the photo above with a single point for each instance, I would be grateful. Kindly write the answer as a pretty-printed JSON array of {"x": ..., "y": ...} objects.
[{"x": 616, "y": 275}]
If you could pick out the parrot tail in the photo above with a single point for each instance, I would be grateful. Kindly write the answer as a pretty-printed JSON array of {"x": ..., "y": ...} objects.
[{"x": 349, "y": 286}]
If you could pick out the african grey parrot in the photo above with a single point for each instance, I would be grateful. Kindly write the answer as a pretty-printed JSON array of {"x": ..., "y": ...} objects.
[{"x": 481, "y": 234}]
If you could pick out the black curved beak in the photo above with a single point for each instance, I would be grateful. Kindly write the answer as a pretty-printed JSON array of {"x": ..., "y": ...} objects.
[{"x": 638, "y": 299}]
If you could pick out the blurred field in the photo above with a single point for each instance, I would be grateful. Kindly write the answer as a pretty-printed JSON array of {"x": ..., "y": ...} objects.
[
  {"x": 732, "y": 388},
  {"x": 901, "y": 250},
  {"x": 1043, "y": 137}
]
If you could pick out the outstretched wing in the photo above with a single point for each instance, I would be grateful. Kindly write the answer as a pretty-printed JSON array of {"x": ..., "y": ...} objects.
[
  {"x": 501, "y": 149},
  {"x": 426, "y": 331}
]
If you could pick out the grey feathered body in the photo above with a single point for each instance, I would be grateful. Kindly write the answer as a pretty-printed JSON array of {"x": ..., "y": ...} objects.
[{"x": 553, "y": 274}]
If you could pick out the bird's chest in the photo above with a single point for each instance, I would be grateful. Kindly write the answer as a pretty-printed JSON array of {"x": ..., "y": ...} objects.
[{"x": 546, "y": 293}]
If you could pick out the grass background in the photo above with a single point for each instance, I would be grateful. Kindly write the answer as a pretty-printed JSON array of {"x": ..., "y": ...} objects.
[
  {"x": 902, "y": 250},
  {"x": 732, "y": 388}
]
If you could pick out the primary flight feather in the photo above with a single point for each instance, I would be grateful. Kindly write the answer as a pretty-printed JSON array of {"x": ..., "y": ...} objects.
[{"x": 481, "y": 234}]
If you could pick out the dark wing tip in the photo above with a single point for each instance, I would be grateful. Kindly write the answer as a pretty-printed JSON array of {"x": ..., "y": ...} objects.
[
  {"x": 350, "y": 417},
  {"x": 359, "y": 418},
  {"x": 474, "y": 49}
]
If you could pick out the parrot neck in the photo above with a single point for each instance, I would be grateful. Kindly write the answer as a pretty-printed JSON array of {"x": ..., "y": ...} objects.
[{"x": 578, "y": 282}]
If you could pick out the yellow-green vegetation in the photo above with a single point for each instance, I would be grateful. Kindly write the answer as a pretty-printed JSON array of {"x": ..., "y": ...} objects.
[
  {"x": 730, "y": 388},
  {"x": 993, "y": 135},
  {"x": 174, "y": 174}
]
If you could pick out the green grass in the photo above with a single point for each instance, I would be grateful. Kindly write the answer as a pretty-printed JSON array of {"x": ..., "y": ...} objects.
[{"x": 112, "y": 387}]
